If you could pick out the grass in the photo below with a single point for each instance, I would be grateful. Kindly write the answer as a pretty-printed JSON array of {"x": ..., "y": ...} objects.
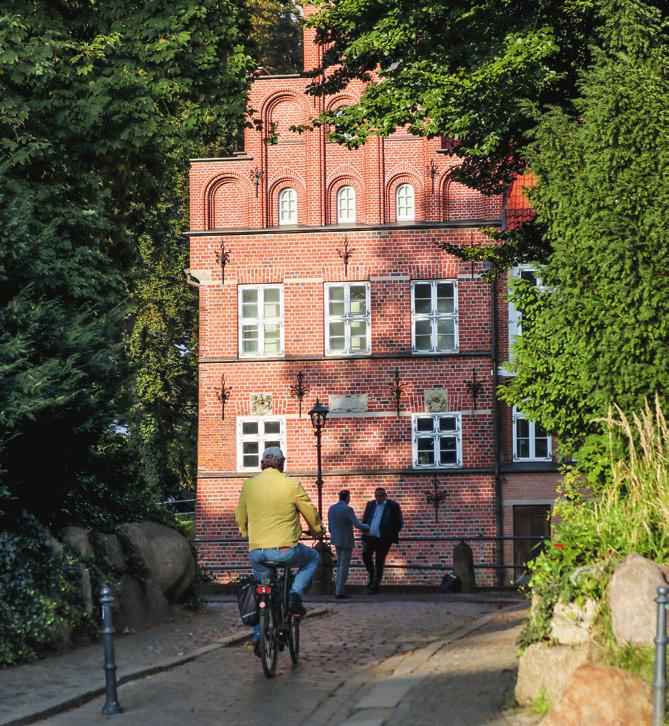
[{"x": 542, "y": 704}]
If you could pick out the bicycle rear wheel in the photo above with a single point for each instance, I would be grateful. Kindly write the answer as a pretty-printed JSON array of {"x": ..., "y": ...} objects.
[
  {"x": 294, "y": 640},
  {"x": 268, "y": 644}
]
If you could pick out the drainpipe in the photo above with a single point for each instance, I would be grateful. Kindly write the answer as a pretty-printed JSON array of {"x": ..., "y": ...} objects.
[
  {"x": 499, "y": 520},
  {"x": 499, "y": 512}
]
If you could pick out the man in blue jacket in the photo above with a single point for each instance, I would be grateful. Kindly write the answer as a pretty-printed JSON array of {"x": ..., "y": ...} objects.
[
  {"x": 341, "y": 520},
  {"x": 385, "y": 521}
]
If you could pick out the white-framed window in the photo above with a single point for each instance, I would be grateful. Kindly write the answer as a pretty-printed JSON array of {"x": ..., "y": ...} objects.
[
  {"x": 254, "y": 435},
  {"x": 522, "y": 272},
  {"x": 260, "y": 320},
  {"x": 437, "y": 440},
  {"x": 434, "y": 316},
  {"x": 346, "y": 205},
  {"x": 288, "y": 206},
  {"x": 347, "y": 318},
  {"x": 404, "y": 202},
  {"x": 530, "y": 440}
]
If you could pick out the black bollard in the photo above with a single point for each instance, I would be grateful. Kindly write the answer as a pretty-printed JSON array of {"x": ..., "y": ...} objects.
[
  {"x": 112, "y": 705},
  {"x": 660, "y": 679}
]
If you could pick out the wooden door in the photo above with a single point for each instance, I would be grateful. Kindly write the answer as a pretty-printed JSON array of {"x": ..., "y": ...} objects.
[{"x": 531, "y": 520}]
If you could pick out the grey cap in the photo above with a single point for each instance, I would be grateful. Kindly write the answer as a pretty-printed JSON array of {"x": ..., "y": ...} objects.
[{"x": 273, "y": 455}]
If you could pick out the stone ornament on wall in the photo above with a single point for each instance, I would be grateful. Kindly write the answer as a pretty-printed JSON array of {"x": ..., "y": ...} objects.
[
  {"x": 436, "y": 400},
  {"x": 352, "y": 403},
  {"x": 261, "y": 404}
]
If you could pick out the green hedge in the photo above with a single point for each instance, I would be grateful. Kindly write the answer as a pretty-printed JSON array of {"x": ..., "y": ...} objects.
[{"x": 40, "y": 603}]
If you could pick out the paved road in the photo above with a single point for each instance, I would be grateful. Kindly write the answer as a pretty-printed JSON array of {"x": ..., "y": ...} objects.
[{"x": 395, "y": 661}]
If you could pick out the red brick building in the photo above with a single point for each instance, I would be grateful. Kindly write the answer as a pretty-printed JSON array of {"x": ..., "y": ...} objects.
[{"x": 318, "y": 268}]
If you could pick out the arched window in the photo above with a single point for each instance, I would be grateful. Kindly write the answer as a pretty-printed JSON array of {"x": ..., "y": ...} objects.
[
  {"x": 346, "y": 205},
  {"x": 288, "y": 206},
  {"x": 404, "y": 203}
]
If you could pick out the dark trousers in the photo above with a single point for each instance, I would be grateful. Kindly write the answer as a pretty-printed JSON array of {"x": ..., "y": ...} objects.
[{"x": 374, "y": 551}]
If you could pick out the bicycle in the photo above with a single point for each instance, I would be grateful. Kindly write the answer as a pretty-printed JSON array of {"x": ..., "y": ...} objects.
[{"x": 279, "y": 626}]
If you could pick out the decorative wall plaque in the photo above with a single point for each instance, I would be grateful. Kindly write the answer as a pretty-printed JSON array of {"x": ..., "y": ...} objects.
[
  {"x": 261, "y": 404},
  {"x": 353, "y": 403},
  {"x": 436, "y": 400}
]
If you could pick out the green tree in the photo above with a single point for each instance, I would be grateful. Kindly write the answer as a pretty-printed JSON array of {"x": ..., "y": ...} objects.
[
  {"x": 479, "y": 73},
  {"x": 101, "y": 105},
  {"x": 276, "y": 30},
  {"x": 597, "y": 333},
  {"x": 162, "y": 344}
]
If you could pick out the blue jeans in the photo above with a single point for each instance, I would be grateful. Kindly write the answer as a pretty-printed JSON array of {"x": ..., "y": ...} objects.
[{"x": 304, "y": 558}]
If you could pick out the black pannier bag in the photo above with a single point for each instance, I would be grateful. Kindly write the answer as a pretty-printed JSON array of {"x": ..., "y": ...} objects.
[
  {"x": 246, "y": 599},
  {"x": 450, "y": 583}
]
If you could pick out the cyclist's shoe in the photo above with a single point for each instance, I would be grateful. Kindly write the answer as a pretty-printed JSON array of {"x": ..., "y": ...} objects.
[
  {"x": 256, "y": 648},
  {"x": 295, "y": 604}
]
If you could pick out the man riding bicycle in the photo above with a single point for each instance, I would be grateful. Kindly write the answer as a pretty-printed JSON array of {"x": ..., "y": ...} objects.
[{"x": 268, "y": 514}]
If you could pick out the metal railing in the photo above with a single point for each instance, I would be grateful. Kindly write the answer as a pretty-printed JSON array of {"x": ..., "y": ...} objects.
[
  {"x": 440, "y": 567},
  {"x": 660, "y": 640},
  {"x": 180, "y": 515}
]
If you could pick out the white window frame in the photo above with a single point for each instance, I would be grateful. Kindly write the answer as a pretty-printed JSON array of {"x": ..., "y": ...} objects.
[
  {"x": 403, "y": 212},
  {"x": 520, "y": 416},
  {"x": 434, "y": 316},
  {"x": 260, "y": 438},
  {"x": 346, "y": 204},
  {"x": 260, "y": 321},
  {"x": 515, "y": 322},
  {"x": 347, "y": 318},
  {"x": 290, "y": 196},
  {"x": 436, "y": 435}
]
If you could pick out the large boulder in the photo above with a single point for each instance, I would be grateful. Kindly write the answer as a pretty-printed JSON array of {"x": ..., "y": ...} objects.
[
  {"x": 141, "y": 603},
  {"x": 602, "y": 696},
  {"x": 85, "y": 588},
  {"x": 110, "y": 551},
  {"x": 571, "y": 622},
  {"x": 165, "y": 553},
  {"x": 76, "y": 538},
  {"x": 547, "y": 668},
  {"x": 631, "y": 594}
]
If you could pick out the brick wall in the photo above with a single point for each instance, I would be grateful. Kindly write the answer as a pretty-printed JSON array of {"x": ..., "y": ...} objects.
[{"x": 234, "y": 217}]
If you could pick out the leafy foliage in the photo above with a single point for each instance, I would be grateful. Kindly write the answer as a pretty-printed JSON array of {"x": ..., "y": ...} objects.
[
  {"x": 597, "y": 333},
  {"x": 598, "y": 524},
  {"x": 276, "y": 30},
  {"x": 102, "y": 104},
  {"x": 38, "y": 601},
  {"x": 162, "y": 345},
  {"x": 478, "y": 73}
]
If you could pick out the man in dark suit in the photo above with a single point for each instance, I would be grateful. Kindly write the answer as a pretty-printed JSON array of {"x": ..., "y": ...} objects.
[
  {"x": 341, "y": 520},
  {"x": 385, "y": 521}
]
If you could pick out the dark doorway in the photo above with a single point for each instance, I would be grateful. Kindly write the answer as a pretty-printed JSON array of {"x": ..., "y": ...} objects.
[{"x": 529, "y": 521}]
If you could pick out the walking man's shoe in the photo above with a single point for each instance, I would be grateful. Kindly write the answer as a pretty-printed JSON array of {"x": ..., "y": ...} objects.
[
  {"x": 256, "y": 648},
  {"x": 343, "y": 597},
  {"x": 295, "y": 604}
]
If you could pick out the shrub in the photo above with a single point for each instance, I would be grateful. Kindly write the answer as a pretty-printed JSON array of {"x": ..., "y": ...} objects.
[
  {"x": 598, "y": 524},
  {"x": 40, "y": 603}
]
